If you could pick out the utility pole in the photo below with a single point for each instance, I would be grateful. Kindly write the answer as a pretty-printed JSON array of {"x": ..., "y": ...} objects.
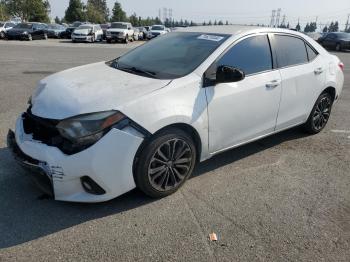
[
  {"x": 165, "y": 14},
  {"x": 160, "y": 14},
  {"x": 278, "y": 17},
  {"x": 347, "y": 23},
  {"x": 283, "y": 24},
  {"x": 272, "y": 22}
]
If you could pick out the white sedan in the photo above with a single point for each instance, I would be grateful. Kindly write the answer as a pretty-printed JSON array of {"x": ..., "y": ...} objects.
[
  {"x": 145, "y": 119},
  {"x": 87, "y": 33}
]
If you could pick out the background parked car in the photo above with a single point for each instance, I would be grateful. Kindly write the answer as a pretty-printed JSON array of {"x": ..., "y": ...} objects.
[
  {"x": 70, "y": 29},
  {"x": 104, "y": 29},
  {"x": 120, "y": 31},
  {"x": 337, "y": 41},
  {"x": 143, "y": 31},
  {"x": 55, "y": 30},
  {"x": 87, "y": 33},
  {"x": 4, "y": 27},
  {"x": 157, "y": 30},
  {"x": 27, "y": 31},
  {"x": 138, "y": 35}
]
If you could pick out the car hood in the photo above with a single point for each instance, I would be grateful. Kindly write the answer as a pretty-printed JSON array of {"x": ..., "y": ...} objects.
[
  {"x": 82, "y": 31},
  {"x": 119, "y": 30},
  {"x": 91, "y": 88}
]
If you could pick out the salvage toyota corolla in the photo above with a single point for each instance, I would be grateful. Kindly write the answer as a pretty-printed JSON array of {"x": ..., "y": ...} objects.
[{"x": 143, "y": 120}]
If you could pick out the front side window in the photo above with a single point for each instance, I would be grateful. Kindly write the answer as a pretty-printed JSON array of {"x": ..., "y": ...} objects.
[
  {"x": 290, "y": 50},
  {"x": 251, "y": 55},
  {"x": 172, "y": 55}
]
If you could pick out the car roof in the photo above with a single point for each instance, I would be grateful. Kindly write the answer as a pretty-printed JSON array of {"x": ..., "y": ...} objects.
[{"x": 235, "y": 30}]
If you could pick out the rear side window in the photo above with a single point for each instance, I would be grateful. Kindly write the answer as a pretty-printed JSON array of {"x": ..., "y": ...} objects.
[
  {"x": 290, "y": 51},
  {"x": 312, "y": 54},
  {"x": 251, "y": 55}
]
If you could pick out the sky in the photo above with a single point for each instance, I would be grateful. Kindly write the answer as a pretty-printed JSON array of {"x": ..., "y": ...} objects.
[{"x": 237, "y": 12}]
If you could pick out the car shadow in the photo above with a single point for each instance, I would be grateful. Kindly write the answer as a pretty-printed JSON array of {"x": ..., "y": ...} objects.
[{"x": 26, "y": 214}]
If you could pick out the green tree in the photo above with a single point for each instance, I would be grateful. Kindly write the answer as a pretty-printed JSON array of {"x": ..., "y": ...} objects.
[
  {"x": 118, "y": 14},
  {"x": 28, "y": 10},
  {"x": 220, "y": 23},
  {"x": 75, "y": 11},
  {"x": 3, "y": 12},
  {"x": 133, "y": 19},
  {"x": 325, "y": 29},
  {"x": 57, "y": 20},
  {"x": 298, "y": 27},
  {"x": 97, "y": 11}
]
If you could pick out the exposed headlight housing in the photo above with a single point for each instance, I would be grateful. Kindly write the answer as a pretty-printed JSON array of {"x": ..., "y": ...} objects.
[{"x": 88, "y": 128}]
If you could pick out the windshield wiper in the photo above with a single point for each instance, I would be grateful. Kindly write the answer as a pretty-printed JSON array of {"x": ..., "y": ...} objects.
[{"x": 138, "y": 70}]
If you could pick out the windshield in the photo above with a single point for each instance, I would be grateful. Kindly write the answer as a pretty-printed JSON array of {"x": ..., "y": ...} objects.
[
  {"x": 85, "y": 27},
  {"x": 343, "y": 35},
  {"x": 158, "y": 27},
  {"x": 24, "y": 26},
  {"x": 76, "y": 24},
  {"x": 171, "y": 56},
  {"x": 53, "y": 27},
  {"x": 119, "y": 25}
]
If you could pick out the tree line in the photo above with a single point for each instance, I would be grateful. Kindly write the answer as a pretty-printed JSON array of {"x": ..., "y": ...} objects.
[
  {"x": 96, "y": 11},
  {"x": 27, "y": 10}
]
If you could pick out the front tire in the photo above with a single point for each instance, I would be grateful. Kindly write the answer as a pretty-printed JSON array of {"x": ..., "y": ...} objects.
[
  {"x": 338, "y": 47},
  {"x": 320, "y": 114},
  {"x": 165, "y": 163}
]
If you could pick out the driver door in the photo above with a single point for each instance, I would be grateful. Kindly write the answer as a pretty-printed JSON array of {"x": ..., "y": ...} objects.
[{"x": 245, "y": 110}]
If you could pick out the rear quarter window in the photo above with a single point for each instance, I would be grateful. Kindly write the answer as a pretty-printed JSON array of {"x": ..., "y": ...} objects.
[{"x": 290, "y": 50}]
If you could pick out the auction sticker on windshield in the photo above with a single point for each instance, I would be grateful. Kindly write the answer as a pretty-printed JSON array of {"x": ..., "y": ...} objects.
[{"x": 215, "y": 38}]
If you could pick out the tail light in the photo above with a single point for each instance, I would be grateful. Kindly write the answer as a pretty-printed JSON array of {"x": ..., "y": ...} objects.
[{"x": 341, "y": 65}]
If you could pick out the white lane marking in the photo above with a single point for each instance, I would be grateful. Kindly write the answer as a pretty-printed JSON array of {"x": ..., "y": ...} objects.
[{"x": 341, "y": 131}]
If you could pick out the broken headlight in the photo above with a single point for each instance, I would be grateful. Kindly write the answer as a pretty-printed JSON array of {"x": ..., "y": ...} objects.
[{"x": 88, "y": 128}]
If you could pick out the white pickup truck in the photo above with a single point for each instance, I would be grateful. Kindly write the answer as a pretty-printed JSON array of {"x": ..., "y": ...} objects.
[{"x": 120, "y": 31}]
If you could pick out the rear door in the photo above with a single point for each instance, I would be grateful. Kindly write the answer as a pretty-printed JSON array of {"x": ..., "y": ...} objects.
[
  {"x": 303, "y": 76},
  {"x": 241, "y": 111}
]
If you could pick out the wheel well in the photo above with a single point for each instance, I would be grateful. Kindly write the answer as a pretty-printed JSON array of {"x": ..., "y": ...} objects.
[
  {"x": 190, "y": 131},
  {"x": 184, "y": 127},
  {"x": 330, "y": 90}
]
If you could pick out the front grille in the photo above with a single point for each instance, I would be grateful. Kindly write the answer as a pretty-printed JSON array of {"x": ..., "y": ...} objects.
[{"x": 43, "y": 130}]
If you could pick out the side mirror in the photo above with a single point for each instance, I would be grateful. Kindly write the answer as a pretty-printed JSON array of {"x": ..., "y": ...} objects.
[{"x": 228, "y": 74}]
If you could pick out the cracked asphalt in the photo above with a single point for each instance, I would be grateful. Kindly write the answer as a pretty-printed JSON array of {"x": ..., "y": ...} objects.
[{"x": 284, "y": 198}]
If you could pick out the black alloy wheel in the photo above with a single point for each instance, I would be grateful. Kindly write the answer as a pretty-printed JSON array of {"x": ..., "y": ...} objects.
[
  {"x": 320, "y": 114},
  {"x": 165, "y": 163}
]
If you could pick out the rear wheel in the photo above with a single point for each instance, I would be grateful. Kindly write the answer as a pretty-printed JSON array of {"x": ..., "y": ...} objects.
[
  {"x": 320, "y": 114},
  {"x": 165, "y": 163}
]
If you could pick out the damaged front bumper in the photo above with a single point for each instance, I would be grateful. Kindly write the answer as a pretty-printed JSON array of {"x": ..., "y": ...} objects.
[{"x": 99, "y": 173}]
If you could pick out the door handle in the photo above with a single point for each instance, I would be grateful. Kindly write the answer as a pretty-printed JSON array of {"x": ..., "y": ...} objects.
[
  {"x": 318, "y": 71},
  {"x": 273, "y": 84}
]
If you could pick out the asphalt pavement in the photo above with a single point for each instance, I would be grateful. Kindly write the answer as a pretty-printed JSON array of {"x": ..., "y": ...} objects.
[{"x": 284, "y": 198}]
